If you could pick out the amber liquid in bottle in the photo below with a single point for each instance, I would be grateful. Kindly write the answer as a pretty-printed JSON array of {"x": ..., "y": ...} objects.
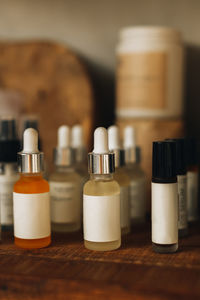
[{"x": 32, "y": 184}]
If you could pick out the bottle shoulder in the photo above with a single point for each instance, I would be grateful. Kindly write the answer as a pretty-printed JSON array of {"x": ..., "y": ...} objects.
[
  {"x": 65, "y": 176},
  {"x": 31, "y": 185},
  {"x": 101, "y": 187},
  {"x": 122, "y": 177}
]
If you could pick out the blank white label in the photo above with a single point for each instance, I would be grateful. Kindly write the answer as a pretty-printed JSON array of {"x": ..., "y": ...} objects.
[
  {"x": 124, "y": 206},
  {"x": 192, "y": 195},
  {"x": 65, "y": 202},
  {"x": 182, "y": 200},
  {"x": 164, "y": 213},
  {"x": 137, "y": 199},
  {"x": 101, "y": 218},
  {"x": 31, "y": 215}
]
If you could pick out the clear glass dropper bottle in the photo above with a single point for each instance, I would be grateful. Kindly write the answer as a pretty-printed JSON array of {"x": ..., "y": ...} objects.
[
  {"x": 137, "y": 177},
  {"x": 121, "y": 177},
  {"x": 101, "y": 198},
  {"x": 164, "y": 198},
  {"x": 65, "y": 186}
]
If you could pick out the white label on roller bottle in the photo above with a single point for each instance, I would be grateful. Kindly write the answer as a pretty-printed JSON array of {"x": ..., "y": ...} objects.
[
  {"x": 182, "y": 194},
  {"x": 192, "y": 195},
  {"x": 31, "y": 215},
  {"x": 137, "y": 199},
  {"x": 124, "y": 207},
  {"x": 164, "y": 213},
  {"x": 65, "y": 202},
  {"x": 101, "y": 218},
  {"x": 6, "y": 198}
]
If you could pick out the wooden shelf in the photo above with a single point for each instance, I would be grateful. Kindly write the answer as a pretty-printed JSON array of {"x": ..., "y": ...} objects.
[{"x": 66, "y": 270}]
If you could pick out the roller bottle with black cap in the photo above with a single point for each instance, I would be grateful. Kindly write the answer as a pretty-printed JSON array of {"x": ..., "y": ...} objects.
[{"x": 164, "y": 198}]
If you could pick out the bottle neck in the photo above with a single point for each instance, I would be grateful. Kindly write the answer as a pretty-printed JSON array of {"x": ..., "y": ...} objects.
[
  {"x": 104, "y": 177},
  {"x": 64, "y": 169}
]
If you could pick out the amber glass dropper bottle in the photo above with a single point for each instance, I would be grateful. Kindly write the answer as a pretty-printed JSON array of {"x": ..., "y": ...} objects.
[{"x": 31, "y": 201}]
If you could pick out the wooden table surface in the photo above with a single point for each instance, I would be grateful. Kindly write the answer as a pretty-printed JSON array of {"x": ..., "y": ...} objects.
[{"x": 66, "y": 270}]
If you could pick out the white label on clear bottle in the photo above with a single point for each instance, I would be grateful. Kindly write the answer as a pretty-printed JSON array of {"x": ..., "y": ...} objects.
[
  {"x": 124, "y": 207},
  {"x": 137, "y": 199},
  {"x": 31, "y": 215},
  {"x": 182, "y": 194},
  {"x": 65, "y": 202},
  {"x": 101, "y": 218},
  {"x": 192, "y": 195},
  {"x": 164, "y": 213},
  {"x": 6, "y": 198}
]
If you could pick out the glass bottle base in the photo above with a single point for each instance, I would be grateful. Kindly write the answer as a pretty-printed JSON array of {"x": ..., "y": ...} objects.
[
  {"x": 125, "y": 230},
  {"x": 161, "y": 248},
  {"x": 107, "y": 246},
  {"x": 183, "y": 232},
  {"x": 33, "y": 243},
  {"x": 65, "y": 227}
]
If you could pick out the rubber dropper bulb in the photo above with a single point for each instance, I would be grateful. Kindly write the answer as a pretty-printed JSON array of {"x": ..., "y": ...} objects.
[
  {"x": 129, "y": 137},
  {"x": 63, "y": 136},
  {"x": 30, "y": 141},
  {"x": 113, "y": 138},
  {"x": 100, "y": 141},
  {"x": 77, "y": 136}
]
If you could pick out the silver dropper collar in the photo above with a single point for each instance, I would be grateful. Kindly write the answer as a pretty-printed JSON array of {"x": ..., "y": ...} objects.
[
  {"x": 119, "y": 157},
  {"x": 64, "y": 156},
  {"x": 132, "y": 155},
  {"x": 101, "y": 163},
  {"x": 80, "y": 155},
  {"x": 31, "y": 162}
]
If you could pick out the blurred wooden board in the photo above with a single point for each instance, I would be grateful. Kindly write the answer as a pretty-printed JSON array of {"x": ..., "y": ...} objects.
[
  {"x": 66, "y": 270},
  {"x": 147, "y": 131},
  {"x": 54, "y": 84}
]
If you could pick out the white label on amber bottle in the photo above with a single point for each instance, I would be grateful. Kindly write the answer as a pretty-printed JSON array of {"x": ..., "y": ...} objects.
[
  {"x": 124, "y": 207},
  {"x": 65, "y": 202},
  {"x": 192, "y": 195},
  {"x": 101, "y": 218},
  {"x": 164, "y": 213},
  {"x": 137, "y": 199},
  {"x": 182, "y": 200},
  {"x": 6, "y": 198},
  {"x": 31, "y": 215}
]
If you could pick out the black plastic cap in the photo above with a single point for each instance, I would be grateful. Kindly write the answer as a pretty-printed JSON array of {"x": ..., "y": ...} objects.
[
  {"x": 191, "y": 151},
  {"x": 164, "y": 160},
  {"x": 181, "y": 165}
]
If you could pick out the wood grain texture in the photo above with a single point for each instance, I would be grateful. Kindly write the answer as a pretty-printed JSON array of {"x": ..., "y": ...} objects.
[
  {"x": 66, "y": 270},
  {"x": 54, "y": 84}
]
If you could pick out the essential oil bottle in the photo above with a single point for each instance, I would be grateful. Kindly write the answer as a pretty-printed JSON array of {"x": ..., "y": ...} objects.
[
  {"x": 101, "y": 198},
  {"x": 77, "y": 144},
  {"x": 65, "y": 186},
  {"x": 164, "y": 198},
  {"x": 138, "y": 180},
  {"x": 192, "y": 180},
  {"x": 31, "y": 197},
  {"x": 121, "y": 177},
  {"x": 9, "y": 147},
  {"x": 182, "y": 185}
]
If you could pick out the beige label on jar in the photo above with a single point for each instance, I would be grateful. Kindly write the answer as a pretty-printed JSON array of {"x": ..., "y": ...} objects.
[
  {"x": 164, "y": 213},
  {"x": 65, "y": 202},
  {"x": 192, "y": 195},
  {"x": 31, "y": 215},
  {"x": 101, "y": 218},
  {"x": 142, "y": 80},
  {"x": 124, "y": 207}
]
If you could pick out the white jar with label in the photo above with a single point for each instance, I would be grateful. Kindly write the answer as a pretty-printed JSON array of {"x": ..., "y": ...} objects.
[{"x": 150, "y": 63}]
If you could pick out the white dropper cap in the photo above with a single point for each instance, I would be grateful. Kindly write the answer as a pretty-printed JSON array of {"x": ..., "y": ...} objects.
[
  {"x": 129, "y": 137},
  {"x": 30, "y": 141},
  {"x": 100, "y": 141},
  {"x": 113, "y": 138},
  {"x": 63, "y": 136},
  {"x": 77, "y": 136}
]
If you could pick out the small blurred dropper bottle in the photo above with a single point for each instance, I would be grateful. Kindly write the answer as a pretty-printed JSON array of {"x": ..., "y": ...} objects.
[
  {"x": 192, "y": 180},
  {"x": 65, "y": 186},
  {"x": 164, "y": 199},
  {"x": 9, "y": 146},
  {"x": 137, "y": 176},
  {"x": 121, "y": 177},
  {"x": 31, "y": 197},
  {"x": 101, "y": 198}
]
